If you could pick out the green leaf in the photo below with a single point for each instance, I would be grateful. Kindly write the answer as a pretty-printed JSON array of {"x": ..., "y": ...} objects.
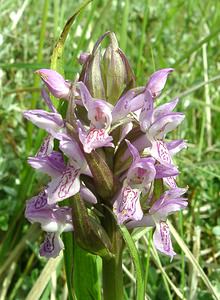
[
  {"x": 68, "y": 262},
  {"x": 86, "y": 274},
  {"x": 140, "y": 288},
  {"x": 57, "y": 55}
]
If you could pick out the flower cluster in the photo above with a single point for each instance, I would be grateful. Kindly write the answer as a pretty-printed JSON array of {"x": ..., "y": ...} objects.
[{"x": 112, "y": 149}]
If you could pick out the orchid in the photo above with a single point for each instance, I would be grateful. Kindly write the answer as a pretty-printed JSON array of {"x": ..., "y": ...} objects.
[
  {"x": 53, "y": 219},
  {"x": 168, "y": 203},
  {"x": 109, "y": 156}
]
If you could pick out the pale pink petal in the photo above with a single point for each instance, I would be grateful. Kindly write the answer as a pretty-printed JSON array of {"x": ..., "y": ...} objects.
[
  {"x": 127, "y": 205},
  {"x": 157, "y": 81},
  {"x": 162, "y": 240},
  {"x": 46, "y": 147},
  {"x": 160, "y": 152},
  {"x": 165, "y": 124},
  {"x": 164, "y": 109},
  {"x": 51, "y": 246},
  {"x": 87, "y": 195},
  {"x": 64, "y": 186}
]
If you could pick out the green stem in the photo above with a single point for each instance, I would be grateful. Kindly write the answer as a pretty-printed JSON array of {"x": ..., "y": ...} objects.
[{"x": 112, "y": 274}]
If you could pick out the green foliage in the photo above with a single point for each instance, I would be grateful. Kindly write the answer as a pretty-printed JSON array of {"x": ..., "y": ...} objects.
[{"x": 153, "y": 34}]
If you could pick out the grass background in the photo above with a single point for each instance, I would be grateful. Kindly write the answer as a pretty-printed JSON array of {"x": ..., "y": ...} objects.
[{"x": 153, "y": 34}]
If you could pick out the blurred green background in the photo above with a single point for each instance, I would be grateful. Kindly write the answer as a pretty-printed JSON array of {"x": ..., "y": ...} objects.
[{"x": 184, "y": 35}]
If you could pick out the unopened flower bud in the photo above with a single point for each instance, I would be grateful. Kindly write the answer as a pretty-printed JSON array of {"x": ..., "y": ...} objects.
[
  {"x": 56, "y": 84},
  {"x": 83, "y": 57},
  {"x": 117, "y": 73},
  {"x": 91, "y": 75}
]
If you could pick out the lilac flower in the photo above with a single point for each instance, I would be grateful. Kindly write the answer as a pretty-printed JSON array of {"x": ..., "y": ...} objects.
[
  {"x": 53, "y": 219},
  {"x": 99, "y": 113},
  {"x": 65, "y": 185},
  {"x": 158, "y": 122},
  {"x": 169, "y": 202},
  {"x": 142, "y": 170},
  {"x": 127, "y": 205},
  {"x": 163, "y": 153},
  {"x": 65, "y": 178},
  {"x": 135, "y": 99},
  {"x": 124, "y": 106},
  {"x": 83, "y": 57},
  {"x": 162, "y": 239},
  {"x": 56, "y": 84},
  {"x": 139, "y": 176},
  {"x": 94, "y": 138}
]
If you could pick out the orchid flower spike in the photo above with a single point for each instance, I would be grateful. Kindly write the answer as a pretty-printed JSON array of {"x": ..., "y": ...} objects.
[{"x": 111, "y": 150}]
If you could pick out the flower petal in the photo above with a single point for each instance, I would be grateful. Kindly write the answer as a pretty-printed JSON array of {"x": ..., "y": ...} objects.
[
  {"x": 99, "y": 111},
  {"x": 95, "y": 138},
  {"x": 176, "y": 146},
  {"x": 160, "y": 152},
  {"x": 56, "y": 84},
  {"x": 170, "y": 182},
  {"x": 87, "y": 195},
  {"x": 162, "y": 240},
  {"x": 145, "y": 117},
  {"x": 123, "y": 107},
  {"x": 64, "y": 186},
  {"x": 165, "y": 109},
  {"x": 127, "y": 205},
  {"x": 51, "y": 217},
  {"x": 51, "y": 122},
  {"x": 146, "y": 221},
  {"x": 141, "y": 173},
  {"x": 134, "y": 152},
  {"x": 51, "y": 246},
  {"x": 53, "y": 164},
  {"x": 72, "y": 150},
  {"x": 37, "y": 209},
  {"x": 169, "y": 202},
  {"x": 157, "y": 81},
  {"x": 47, "y": 100},
  {"x": 46, "y": 147},
  {"x": 165, "y": 171},
  {"x": 165, "y": 124}
]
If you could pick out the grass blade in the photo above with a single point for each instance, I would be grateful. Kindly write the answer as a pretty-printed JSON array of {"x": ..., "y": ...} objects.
[
  {"x": 193, "y": 261},
  {"x": 42, "y": 281},
  {"x": 57, "y": 55}
]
